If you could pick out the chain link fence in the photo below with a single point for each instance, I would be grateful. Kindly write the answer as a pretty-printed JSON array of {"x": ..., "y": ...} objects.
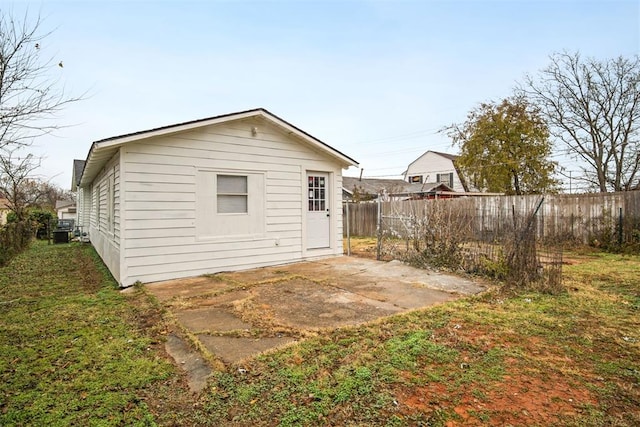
[{"x": 501, "y": 244}]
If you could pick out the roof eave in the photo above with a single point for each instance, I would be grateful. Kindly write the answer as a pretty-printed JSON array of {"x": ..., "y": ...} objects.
[{"x": 117, "y": 141}]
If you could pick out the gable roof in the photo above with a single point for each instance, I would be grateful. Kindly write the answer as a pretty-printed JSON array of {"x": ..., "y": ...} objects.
[
  {"x": 102, "y": 150},
  {"x": 446, "y": 155},
  {"x": 60, "y": 204},
  {"x": 451, "y": 157},
  {"x": 390, "y": 186}
]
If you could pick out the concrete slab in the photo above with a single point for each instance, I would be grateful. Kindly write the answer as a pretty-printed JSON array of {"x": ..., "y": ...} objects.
[
  {"x": 190, "y": 361},
  {"x": 307, "y": 305},
  {"x": 211, "y": 319},
  {"x": 275, "y": 304},
  {"x": 395, "y": 271},
  {"x": 186, "y": 288},
  {"x": 234, "y": 350}
]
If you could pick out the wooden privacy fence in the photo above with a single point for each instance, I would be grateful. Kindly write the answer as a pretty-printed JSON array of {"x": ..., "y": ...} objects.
[
  {"x": 582, "y": 218},
  {"x": 363, "y": 218}
]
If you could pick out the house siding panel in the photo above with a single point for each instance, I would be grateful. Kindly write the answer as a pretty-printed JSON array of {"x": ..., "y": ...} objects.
[
  {"x": 104, "y": 217},
  {"x": 160, "y": 231}
]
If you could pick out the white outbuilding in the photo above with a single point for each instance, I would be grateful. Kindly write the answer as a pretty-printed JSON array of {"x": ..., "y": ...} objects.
[{"x": 230, "y": 192}]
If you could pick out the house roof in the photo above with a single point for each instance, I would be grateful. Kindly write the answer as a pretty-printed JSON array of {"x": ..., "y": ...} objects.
[
  {"x": 451, "y": 157},
  {"x": 447, "y": 155},
  {"x": 390, "y": 186},
  {"x": 64, "y": 203},
  {"x": 102, "y": 150}
]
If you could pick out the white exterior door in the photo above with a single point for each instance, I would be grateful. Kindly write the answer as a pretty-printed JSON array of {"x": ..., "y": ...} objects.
[{"x": 318, "y": 213}]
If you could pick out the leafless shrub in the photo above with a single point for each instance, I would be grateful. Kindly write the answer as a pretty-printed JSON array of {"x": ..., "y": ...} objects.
[{"x": 436, "y": 234}]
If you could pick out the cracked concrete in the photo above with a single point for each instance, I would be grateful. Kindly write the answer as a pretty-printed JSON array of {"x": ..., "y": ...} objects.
[{"x": 239, "y": 315}]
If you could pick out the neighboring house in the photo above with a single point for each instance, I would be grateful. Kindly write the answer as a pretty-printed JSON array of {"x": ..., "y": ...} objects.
[
  {"x": 66, "y": 209},
  {"x": 231, "y": 192},
  {"x": 363, "y": 189},
  {"x": 438, "y": 167},
  {"x": 4, "y": 210}
]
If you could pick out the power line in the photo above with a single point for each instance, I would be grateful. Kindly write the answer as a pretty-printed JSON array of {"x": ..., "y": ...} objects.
[{"x": 401, "y": 137}]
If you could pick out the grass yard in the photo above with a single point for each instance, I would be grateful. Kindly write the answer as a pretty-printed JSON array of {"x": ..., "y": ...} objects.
[
  {"x": 74, "y": 350},
  {"x": 71, "y": 348}
]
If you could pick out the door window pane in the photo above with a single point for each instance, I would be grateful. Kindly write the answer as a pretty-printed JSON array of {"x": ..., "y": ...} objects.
[{"x": 317, "y": 193}]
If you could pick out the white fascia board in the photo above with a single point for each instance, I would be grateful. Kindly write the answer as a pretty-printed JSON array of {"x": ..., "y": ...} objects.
[
  {"x": 113, "y": 143},
  {"x": 344, "y": 160},
  {"x": 139, "y": 136}
]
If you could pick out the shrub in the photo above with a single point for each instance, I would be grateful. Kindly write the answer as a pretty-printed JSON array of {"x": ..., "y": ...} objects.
[
  {"x": 40, "y": 218},
  {"x": 44, "y": 220},
  {"x": 14, "y": 238}
]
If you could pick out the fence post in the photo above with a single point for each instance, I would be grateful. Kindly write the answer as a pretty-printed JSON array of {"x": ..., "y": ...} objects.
[
  {"x": 379, "y": 232},
  {"x": 620, "y": 228}
]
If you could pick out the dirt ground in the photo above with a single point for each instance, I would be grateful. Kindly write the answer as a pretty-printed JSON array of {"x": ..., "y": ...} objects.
[{"x": 230, "y": 317}]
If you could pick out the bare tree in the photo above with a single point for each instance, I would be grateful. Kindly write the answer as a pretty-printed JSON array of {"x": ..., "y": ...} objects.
[
  {"x": 16, "y": 182},
  {"x": 29, "y": 94},
  {"x": 593, "y": 107}
]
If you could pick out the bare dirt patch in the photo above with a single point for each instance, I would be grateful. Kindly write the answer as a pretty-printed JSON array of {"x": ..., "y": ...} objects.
[{"x": 518, "y": 400}]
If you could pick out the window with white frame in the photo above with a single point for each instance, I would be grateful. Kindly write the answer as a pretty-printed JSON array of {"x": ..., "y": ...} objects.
[
  {"x": 230, "y": 203},
  {"x": 232, "y": 194},
  {"x": 445, "y": 178}
]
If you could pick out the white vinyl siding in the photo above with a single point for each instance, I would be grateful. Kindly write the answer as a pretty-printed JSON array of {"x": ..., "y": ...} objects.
[
  {"x": 111, "y": 203},
  {"x": 172, "y": 230},
  {"x": 104, "y": 225},
  {"x": 95, "y": 206},
  {"x": 83, "y": 203}
]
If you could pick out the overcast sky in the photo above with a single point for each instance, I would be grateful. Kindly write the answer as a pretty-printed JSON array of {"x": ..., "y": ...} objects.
[{"x": 374, "y": 79}]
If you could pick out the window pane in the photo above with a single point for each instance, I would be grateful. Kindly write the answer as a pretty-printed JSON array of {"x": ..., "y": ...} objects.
[
  {"x": 232, "y": 204},
  {"x": 232, "y": 184}
]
